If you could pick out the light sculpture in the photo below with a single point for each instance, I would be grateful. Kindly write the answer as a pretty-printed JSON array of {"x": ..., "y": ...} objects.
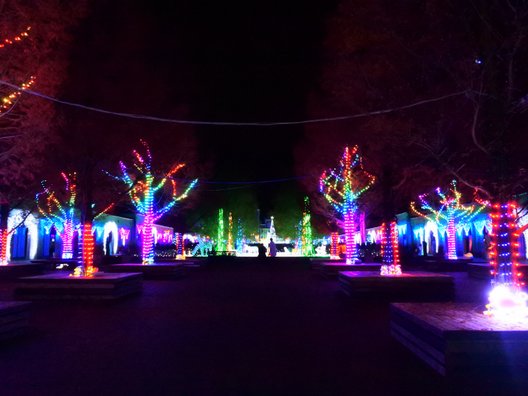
[
  {"x": 142, "y": 189},
  {"x": 342, "y": 187}
]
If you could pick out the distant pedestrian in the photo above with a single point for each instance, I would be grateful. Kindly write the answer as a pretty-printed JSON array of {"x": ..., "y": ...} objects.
[
  {"x": 261, "y": 250},
  {"x": 272, "y": 248}
]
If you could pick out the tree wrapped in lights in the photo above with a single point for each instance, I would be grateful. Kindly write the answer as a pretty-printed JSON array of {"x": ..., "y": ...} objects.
[
  {"x": 306, "y": 230},
  {"x": 449, "y": 213},
  {"x": 61, "y": 215},
  {"x": 342, "y": 187},
  {"x": 142, "y": 189}
]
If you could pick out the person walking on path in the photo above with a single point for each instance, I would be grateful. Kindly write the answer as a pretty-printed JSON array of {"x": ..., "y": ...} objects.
[{"x": 272, "y": 248}]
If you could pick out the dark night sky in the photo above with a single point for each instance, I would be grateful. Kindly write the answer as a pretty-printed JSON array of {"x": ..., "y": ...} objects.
[{"x": 254, "y": 61}]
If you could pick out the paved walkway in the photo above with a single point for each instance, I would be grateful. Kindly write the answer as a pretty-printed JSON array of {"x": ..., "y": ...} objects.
[{"x": 253, "y": 329}]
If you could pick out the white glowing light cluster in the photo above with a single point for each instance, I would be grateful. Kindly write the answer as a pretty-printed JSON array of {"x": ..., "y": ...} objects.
[
  {"x": 507, "y": 303},
  {"x": 390, "y": 270}
]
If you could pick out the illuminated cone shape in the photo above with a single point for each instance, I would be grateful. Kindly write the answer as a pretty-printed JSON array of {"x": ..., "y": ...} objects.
[
  {"x": 142, "y": 189},
  {"x": 342, "y": 187}
]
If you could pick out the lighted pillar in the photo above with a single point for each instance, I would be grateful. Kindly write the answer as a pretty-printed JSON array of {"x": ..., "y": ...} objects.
[
  {"x": 179, "y": 244},
  {"x": 87, "y": 248},
  {"x": 3, "y": 246},
  {"x": 390, "y": 250},
  {"x": 334, "y": 255},
  {"x": 147, "y": 238},
  {"x": 67, "y": 240},
  {"x": 350, "y": 232},
  {"x": 451, "y": 236},
  {"x": 230, "y": 232}
]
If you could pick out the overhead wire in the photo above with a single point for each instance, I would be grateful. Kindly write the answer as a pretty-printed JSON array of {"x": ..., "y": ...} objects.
[{"x": 228, "y": 123}]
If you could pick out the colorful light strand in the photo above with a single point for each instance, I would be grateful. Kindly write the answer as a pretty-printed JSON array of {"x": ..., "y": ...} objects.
[
  {"x": 143, "y": 191},
  {"x": 450, "y": 213},
  {"x": 342, "y": 187},
  {"x": 19, "y": 37},
  {"x": 306, "y": 230},
  {"x": 8, "y": 101},
  {"x": 61, "y": 215}
]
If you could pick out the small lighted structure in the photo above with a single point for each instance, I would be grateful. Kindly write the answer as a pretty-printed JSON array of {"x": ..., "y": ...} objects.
[
  {"x": 334, "y": 246},
  {"x": 450, "y": 214},
  {"x": 180, "y": 248},
  {"x": 342, "y": 187},
  {"x": 390, "y": 249},
  {"x": 507, "y": 301}
]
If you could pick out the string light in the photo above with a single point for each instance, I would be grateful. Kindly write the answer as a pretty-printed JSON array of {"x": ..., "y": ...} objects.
[
  {"x": 19, "y": 37},
  {"x": 9, "y": 100},
  {"x": 342, "y": 187},
  {"x": 61, "y": 215},
  {"x": 142, "y": 193},
  {"x": 452, "y": 214}
]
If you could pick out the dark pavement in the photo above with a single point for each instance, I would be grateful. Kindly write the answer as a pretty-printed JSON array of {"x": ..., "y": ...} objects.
[{"x": 240, "y": 329}]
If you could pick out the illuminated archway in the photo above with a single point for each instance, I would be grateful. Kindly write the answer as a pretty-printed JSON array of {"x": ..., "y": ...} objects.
[{"x": 110, "y": 227}]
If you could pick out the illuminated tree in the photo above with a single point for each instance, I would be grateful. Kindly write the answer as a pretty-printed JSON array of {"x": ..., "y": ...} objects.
[
  {"x": 142, "y": 189},
  {"x": 61, "y": 215},
  {"x": 306, "y": 230},
  {"x": 34, "y": 45},
  {"x": 448, "y": 213},
  {"x": 342, "y": 187}
]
